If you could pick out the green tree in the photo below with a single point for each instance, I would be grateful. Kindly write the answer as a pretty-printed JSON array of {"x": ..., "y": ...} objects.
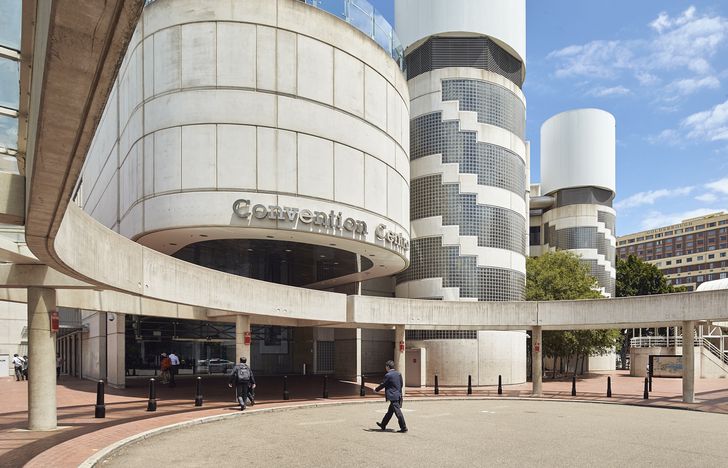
[
  {"x": 638, "y": 278},
  {"x": 558, "y": 276}
]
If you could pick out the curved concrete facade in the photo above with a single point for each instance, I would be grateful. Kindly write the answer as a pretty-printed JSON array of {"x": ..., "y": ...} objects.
[
  {"x": 294, "y": 128},
  {"x": 578, "y": 165},
  {"x": 484, "y": 357}
]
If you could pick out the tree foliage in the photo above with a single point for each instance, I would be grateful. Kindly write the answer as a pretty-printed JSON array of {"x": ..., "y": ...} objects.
[
  {"x": 638, "y": 278},
  {"x": 557, "y": 276},
  {"x": 562, "y": 276}
]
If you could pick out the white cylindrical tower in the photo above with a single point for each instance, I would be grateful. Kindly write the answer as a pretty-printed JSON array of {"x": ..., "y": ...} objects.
[
  {"x": 465, "y": 69},
  {"x": 465, "y": 62},
  {"x": 578, "y": 159}
]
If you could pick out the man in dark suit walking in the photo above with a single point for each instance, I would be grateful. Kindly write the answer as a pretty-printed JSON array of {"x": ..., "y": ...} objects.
[{"x": 393, "y": 392}]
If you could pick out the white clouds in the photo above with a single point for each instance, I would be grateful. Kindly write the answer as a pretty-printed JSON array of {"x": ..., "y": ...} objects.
[
  {"x": 613, "y": 91},
  {"x": 663, "y": 20},
  {"x": 688, "y": 86},
  {"x": 650, "y": 197},
  {"x": 710, "y": 125},
  {"x": 720, "y": 186},
  {"x": 678, "y": 51},
  {"x": 707, "y": 197},
  {"x": 655, "y": 219},
  {"x": 596, "y": 59}
]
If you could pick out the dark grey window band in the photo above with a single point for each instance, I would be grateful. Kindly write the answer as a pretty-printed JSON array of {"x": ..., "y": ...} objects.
[
  {"x": 494, "y": 104},
  {"x": 473, "y": 52},
  {"x": 494, "y": 226},
  {"x": 430, "y": 259},
  {"x": 441, "y": 335},
  {"x": 494, "y": 165},
  {"x": 584, "y": 196}
]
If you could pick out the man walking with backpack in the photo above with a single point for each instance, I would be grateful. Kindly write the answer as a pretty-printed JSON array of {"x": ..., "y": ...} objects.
[{"x": 242, "y": 377}]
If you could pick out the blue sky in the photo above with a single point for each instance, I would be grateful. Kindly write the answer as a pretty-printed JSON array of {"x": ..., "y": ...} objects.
[{"x": 662, "y": 69}]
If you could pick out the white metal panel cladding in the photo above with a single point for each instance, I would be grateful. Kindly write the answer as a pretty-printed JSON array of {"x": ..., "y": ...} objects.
[
  {"x": 504, "y": 20},
  {"x": 578, "y": 149}
]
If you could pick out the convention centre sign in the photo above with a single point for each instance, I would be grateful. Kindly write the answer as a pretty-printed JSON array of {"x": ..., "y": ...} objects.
[{"x": 331, "y": 221}]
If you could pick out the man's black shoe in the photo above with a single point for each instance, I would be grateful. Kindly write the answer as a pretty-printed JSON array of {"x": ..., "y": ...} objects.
[
  {"x": 380, "y": 426},
  {"x": 242, "y": 408},
  {"x": 402, "y": 430}
]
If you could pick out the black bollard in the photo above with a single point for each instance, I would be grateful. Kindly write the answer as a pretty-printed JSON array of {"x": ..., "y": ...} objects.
[
  {"x": 500, "y": 385},
  {"x": 646, "y": 394},
  {"x": 362, "y": 389},
  {"x": 470, "y": 385},
  {"x": 609, "y": 387},
  {"x": 437, "y": 386},
  {"x": 100, "y": 408},
  {"x": 573, "y": 386},
  {"x": 198, "y": 394},
  {"x": 326, "y": 386},
  {"x": 286, "y": 395},
  {"x": 152, "y": 403},
  {"x": 650, "y": 380}
]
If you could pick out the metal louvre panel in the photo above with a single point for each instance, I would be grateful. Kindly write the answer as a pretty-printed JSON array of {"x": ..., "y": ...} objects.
[{"x": 474, "y": 52}]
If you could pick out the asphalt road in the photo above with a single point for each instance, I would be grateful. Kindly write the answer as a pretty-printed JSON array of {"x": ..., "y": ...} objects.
[{"x": 459, "y": 433}]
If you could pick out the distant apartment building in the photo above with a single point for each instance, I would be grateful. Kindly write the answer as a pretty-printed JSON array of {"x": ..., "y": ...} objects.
[{"x": 688, "y": 254}]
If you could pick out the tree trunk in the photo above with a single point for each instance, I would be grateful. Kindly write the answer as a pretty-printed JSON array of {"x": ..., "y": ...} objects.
[{"x": 583, "y": 359}]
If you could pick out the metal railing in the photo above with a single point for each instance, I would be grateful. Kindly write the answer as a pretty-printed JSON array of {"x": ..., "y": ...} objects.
[
  {"x": 364, "y": 17},
  {"x": 675, "y": 341}
]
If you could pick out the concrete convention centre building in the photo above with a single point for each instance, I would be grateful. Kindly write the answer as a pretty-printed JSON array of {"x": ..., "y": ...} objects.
[{"x": 316, "y": 146}]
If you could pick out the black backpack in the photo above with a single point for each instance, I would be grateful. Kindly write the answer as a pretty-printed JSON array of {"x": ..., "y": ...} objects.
[{"x": 243, "y": 373}]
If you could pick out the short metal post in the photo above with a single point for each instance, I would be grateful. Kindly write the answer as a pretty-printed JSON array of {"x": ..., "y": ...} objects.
[
  {"x": 573, "y": 386},
  {"x": 286, "y": 395},
  {"x": 100, "y": 408},
  {"x": 649, "y": 373},
  {"x": 437, "y": 386},
  {"x": 609, "y": 387},
  {"x": 198, "y": 393},
  {"x": 500, "y": 385},
  {"x": 362, "y": 388},
  {"x": 326, "y": 386},
  {"x": 470, "y": 385},
  {"x": 152, "y": 403},
  {"x": 646, "y": 394}
]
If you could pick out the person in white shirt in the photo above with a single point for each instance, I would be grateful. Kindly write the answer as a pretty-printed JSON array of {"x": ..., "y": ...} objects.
[
  {"x": 18, "y": 364},
  {"x": 175, "y": 368}
]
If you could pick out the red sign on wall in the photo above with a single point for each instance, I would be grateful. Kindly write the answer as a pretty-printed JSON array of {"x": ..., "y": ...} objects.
[
  {"x": 401, "y": 346},
  {"x": 55, "y": 321},
  {"x": 246, "y": 338}
]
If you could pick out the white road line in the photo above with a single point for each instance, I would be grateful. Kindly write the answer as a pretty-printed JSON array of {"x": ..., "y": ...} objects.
[
  {"x": 330, "y": 421},
  {"x": 489, "y": 412}
]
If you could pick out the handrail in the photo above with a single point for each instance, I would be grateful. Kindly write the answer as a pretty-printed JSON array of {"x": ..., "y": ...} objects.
[
  {"x": 364, "y": 17},
  {"x": 675, "y": 341}
]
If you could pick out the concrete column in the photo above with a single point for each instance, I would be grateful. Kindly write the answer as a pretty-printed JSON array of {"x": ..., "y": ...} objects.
[
  {"x": 116, "y": 350},
  {"x": 400, "y": 361},
  {"x": 42, "y": 414},
  {"x": 536, "y": 359},
  {"x": 242, "y": 326},
  {"x": 688, "y": 362}
]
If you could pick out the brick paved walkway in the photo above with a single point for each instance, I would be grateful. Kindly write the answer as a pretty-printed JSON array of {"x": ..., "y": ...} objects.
[{"x": 82, "y": 435}]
